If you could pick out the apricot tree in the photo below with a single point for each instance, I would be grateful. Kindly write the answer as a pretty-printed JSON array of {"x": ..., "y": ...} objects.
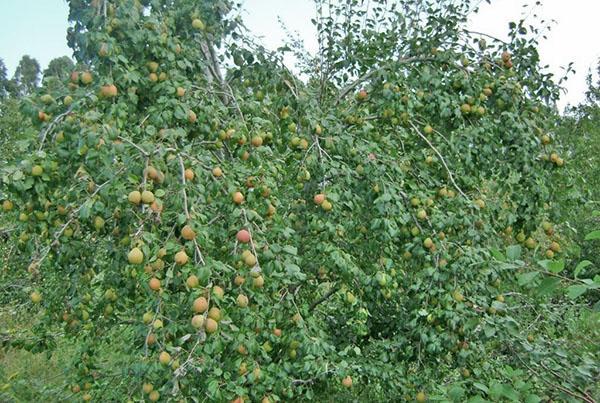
[{"x": 239, "y": 230}]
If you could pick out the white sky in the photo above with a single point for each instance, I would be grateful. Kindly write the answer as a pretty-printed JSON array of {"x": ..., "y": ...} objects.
[{"x": 38, "y": 28}]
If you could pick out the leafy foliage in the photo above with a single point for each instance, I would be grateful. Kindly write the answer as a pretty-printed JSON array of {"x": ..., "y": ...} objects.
[{"x": 237, "y": 232}]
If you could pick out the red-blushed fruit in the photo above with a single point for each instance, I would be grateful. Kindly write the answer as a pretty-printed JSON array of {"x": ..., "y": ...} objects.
[
  {"x": 277, "y": 332},
  {"x": 238, "y": 198},
  {"x": 180, "y": 91},
  {"x": 154, "y": 284},
  {"x": 109, "y": 91},
  {"x": 200, "y": 305},
  {"x": 319, "y": 198},
  {"x": 86, "y": 77},
  {"x": 189, "y": 174},
  {"x": 154, "y": 396},
  {"x": 192, "y": 117},
  {"x": 243, "y": 236},
  {"x": 347, "y": 381}
]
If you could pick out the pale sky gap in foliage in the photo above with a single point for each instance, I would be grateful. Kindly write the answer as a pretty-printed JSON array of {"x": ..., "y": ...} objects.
[{"x": 38, "y": 28}]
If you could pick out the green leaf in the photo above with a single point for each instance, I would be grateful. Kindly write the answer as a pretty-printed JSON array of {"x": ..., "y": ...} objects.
[
  {"x": 532, "y": 399},
  {"x": 292, "y": 250},
  {"x": 548, "y": 285},
  {"x": 582, "y": 265},
  {"x": 593, "y": 235},
  {"x": 575, "y": 291},
  {"x": 526, "y": 278},
  {"x": 513, "y": 252},
  {"x": 509, "y": 392},
  {"x": 554, "y": 266}
]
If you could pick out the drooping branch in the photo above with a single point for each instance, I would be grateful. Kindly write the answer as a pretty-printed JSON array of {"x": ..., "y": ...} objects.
[{"x": 435, "y": 150}]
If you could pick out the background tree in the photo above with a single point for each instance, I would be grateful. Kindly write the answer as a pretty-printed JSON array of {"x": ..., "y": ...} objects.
[
  {"x": 27, "y": 75},
  {"x": 60, "y": 67},
  {"x": 3, "y": 80}
]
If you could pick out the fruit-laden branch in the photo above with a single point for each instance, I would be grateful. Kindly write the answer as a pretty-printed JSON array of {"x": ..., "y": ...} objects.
[
  {"x": 371, "y": 73},
  {"x": 186, "y": 210},
  {"x": 62, "y": 229},
  {"x": 450, "y": 176},
  {"x": 324, "y": 298},
  {"x": 57, "y": 119}
]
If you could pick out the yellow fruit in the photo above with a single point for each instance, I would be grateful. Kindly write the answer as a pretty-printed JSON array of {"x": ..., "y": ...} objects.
[
  {"x": 164, "y": 358},
  {"x": 135, "y": 197},
  {"x": 211, "y": 325},
  {"x": 188, "y": 233},
  {"x": 198, "y": 24},
  {"x": 154, "y": 284},
  {"x": 200, "y": 305},
  {"x": 326, "y": 205},
  {"x": 192, "y": 281},
  {"x": 36, "y": 297},
  {"x": 421, "y": 398},
  {"x": 238, "y": 198},
  {"x": 181, "y": 258},
  {"x": 214, "y": 313},
  {"x": 218, "y": 292},
  {"x": 86, "y": 77},
  {"x": 258, "y": 282},
  {"x": 180, "y": 91},
  {"x": 191, "y": 117},
  {"x": 147, "y": 197},
  {"x": 152, "y": 66},
  {"x": 37, "y": 170},
  {"x": 154, "y": 396},
  {"x": 250, "y": 260},
  {"x": 421, "y": 214},
  {"x": 217, "y": 172},
  {"x": 555, "y": 246},
  {"x": 147, "y": 317},
  {"x": 242, "y": 301},
  {"x": 480, "y": 203},
  {"x": 7, "y": 205},
  {"x": 428, "y": 129},
  {"x": 135, "y": 256},
  {"x": 428, "y": 243},
  {"x": 147, "y": 388},
  {"x": 257, "y": 141},
  {"x": 198, "y": 321},
  {"x": 189, "y": 174}
]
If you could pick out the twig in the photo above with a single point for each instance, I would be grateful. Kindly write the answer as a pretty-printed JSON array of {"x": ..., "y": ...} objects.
[
  {"x": 326, "y": 296},
  {"x": 450, "y": 176}
]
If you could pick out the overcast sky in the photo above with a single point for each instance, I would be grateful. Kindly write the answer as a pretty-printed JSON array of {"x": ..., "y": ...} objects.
[{"x": 38, "y": 28}]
